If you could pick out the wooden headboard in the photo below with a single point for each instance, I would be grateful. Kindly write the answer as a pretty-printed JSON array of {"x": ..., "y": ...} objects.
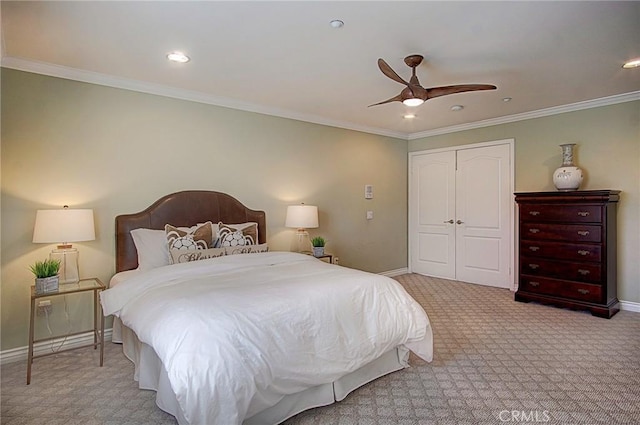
[{"x": 182, "y": 209}]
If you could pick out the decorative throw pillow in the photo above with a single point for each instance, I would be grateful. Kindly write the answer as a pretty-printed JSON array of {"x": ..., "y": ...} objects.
[
  {"x": 189, "y": 255},
  {"x": 237, "y": 234},
  {"x": 197, "y": 238},
  {"x": 246, "y": 249}
]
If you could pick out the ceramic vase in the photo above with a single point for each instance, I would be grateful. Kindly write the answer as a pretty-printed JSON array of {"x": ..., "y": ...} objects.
[{"x": 568, "y": 176}]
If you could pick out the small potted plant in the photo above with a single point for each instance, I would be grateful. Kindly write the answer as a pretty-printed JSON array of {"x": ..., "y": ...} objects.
[
  {"x": 318, "y": 246},
  {"x": 46, "y": 273}
]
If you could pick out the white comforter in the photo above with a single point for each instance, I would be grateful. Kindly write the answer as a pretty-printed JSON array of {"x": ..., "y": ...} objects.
[{"x": 237, "y": 333}]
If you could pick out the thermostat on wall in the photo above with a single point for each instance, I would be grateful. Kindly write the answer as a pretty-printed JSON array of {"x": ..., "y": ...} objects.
[{"x": 368, "y": 191}]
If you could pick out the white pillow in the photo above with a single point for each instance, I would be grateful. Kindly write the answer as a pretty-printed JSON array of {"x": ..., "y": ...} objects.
[{"x": 152, "y": 248}]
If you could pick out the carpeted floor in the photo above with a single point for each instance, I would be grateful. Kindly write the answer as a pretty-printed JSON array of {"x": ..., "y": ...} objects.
[{"x": 496, "y": 361}]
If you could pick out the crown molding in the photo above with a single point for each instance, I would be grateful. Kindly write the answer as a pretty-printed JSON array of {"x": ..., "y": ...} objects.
[
  {"x": 588, "y": 104},
  {"x": 182, "y": 94},
  {"x": 193, "y": 96}
]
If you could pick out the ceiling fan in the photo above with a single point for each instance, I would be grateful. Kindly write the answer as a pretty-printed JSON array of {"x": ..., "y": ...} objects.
[{"x": 414, "y": 94}]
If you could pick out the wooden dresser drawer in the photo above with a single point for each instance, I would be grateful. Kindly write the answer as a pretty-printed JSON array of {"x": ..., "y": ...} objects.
[
  {"x": 562, "y": 251},
  {"x": 569, "y": 213},
  {"x": 581, "y": 272},
  {"x": 561, "y": 232},
  {"x": 561, "y": 288}
]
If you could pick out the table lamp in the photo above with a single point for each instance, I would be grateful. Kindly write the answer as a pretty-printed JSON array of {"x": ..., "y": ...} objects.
[
  {"x": 62, "y": 227},
  {"x": 302, "y": 217}
]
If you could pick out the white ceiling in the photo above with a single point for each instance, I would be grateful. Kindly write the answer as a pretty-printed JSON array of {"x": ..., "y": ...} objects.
[{"x": 283, "y": 58}]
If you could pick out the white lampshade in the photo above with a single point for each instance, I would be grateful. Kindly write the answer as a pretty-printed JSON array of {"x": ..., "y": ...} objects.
[
  {"x": 64, "y": 225},
  {"x": 61, "y": 227},
  {"x": 302, "y": 216}
]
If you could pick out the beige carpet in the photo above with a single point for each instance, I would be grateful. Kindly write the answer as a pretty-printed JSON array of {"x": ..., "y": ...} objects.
[{"x": 496, "y": 361}]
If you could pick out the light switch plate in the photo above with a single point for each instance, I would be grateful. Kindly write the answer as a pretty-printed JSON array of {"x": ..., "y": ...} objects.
[{"x": 368, "y": 191}]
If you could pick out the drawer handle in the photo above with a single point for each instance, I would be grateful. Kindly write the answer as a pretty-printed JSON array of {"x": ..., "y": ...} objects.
[
  {"x": 583, "y": 291},
  {"x": 583, "y": 272},
  {"x": 534, "y": 248},
  {"x": 534, "y": 230},
  {"x": 533, "y": 266},
  {"x": 583, "y": 252},
  {"x": 534, "y": 283},
  {"x": 583, "y": 213},
  {"x": 583, "y": 232},
  {"x": 534, "y": 213}
]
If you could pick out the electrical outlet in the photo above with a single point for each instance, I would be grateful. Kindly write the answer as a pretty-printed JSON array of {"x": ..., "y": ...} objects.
[
  {"x": 44, "y": 307},
  {"x": 336, "y": 260}
]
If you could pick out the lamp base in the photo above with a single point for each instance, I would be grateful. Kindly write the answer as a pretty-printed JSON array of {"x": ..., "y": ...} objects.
[
  {"x": 68, "y": 257},
  {"x": 304, "y": 243}
]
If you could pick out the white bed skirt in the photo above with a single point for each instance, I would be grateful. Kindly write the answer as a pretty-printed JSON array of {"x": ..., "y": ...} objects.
[{"x": 151, "y": 375}]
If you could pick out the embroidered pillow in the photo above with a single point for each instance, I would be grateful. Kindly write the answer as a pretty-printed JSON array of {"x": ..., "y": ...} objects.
[
  {"x": 193, "y": 239},
  {"x": 237, "y": 234},
  {"x": 247, "y": 249},
  {"x": 188, "y": 255}
]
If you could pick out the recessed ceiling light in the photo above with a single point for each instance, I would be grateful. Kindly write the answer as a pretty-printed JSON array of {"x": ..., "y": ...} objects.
[
  {"x": 632, "y": 64},
  {"x": 336, "y": 23},
  {"x": 506, "y": 99},
  {"x": 409, "y": 116},
  {"x": 178, "y": 57},
  {"x": 457, "y": 108}
]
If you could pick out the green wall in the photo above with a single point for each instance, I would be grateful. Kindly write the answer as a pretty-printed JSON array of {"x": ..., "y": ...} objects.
[{"x": 117, "y": 151}]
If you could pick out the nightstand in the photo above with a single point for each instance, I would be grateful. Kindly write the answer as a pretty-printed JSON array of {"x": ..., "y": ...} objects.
[
  {"x": 327, "y": 256},
  {"x": 83, "y": 285}
]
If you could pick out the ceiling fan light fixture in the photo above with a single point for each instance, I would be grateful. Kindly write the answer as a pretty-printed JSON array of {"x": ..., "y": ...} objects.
[
  {"x": 412, "y": 102},
  {"x": 632, "y": 64},
  {"x": 178, "y": 57}
]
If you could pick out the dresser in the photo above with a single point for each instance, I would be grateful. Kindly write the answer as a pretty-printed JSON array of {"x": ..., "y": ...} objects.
[{"x": 567, "y": 249}]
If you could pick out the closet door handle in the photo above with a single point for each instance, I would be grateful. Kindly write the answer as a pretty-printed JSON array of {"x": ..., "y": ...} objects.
[
  {"x": 449, "y": 221},
  {"x": 459, "y": 222}
]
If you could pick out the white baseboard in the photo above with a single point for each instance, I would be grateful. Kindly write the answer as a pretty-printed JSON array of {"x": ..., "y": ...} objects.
[
  {"x": 396, "y": 272},
  {"x": 630, "y": 306},
  {"x": 21, "y": 353}
]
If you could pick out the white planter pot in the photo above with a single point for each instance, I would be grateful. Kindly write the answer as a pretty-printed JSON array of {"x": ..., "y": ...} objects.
[
  {"x": 318, "y": 251},
  {"x": 47, "y": 284}
]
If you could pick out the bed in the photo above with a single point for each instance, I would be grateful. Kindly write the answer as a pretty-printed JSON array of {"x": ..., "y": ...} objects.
[{"x": 249, "y": 335}]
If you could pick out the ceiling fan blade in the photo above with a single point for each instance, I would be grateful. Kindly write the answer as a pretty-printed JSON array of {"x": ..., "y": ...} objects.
[
  {"x": 397, "y": 98},
  {"x": 386, "y": 70},
  {"x": 446, "y": 90}
]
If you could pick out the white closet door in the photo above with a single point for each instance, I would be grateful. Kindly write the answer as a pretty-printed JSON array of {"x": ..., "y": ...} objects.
[
  {"x": 432, "y": 214},
  {"x": 483, "y": 208},
  {"x": 460, "y": 214}
]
